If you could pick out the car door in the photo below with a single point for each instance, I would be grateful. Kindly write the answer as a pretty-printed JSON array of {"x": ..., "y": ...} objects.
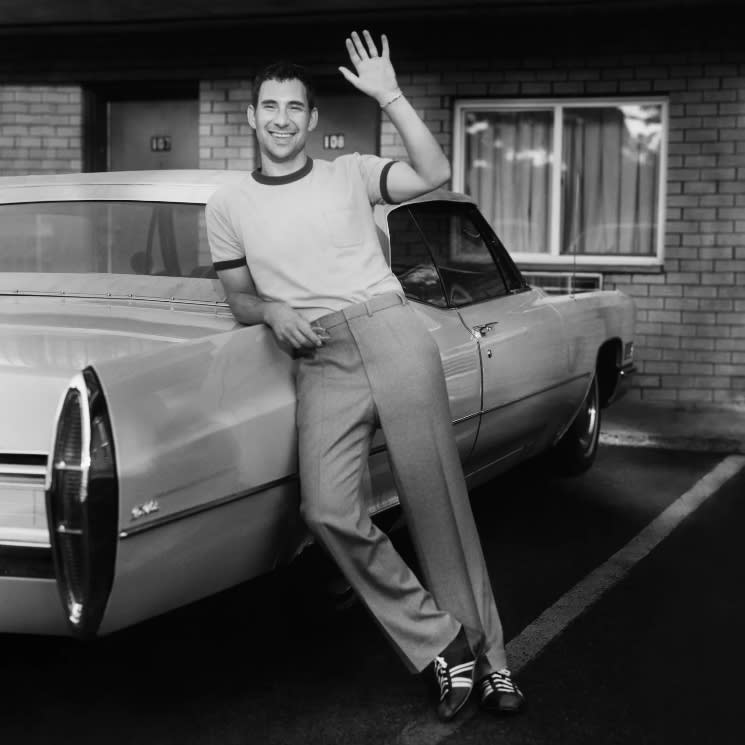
[{"x": 518, "y": 331}]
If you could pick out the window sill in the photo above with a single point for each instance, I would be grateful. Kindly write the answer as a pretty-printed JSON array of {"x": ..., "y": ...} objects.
[{"x": 582, "y": 268}]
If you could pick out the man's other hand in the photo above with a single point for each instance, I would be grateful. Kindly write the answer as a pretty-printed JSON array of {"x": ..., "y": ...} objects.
[{"x": 290, "y": 327}]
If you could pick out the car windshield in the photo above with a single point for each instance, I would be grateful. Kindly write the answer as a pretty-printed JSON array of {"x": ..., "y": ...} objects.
[{"x": 147, "y": 238}]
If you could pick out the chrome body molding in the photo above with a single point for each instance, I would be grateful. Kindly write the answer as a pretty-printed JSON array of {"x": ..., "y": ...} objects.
[
  {"x": 217, "y": 304},
  {"x": 207, "y": 506}
]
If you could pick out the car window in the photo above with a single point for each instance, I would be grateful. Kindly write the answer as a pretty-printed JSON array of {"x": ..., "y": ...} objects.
[
  {"x": 411, "y": 260},
  {"x": 152, "y": 238},
  {"x": 513, "y": 279},
  {"x": 470, "y": 262}
]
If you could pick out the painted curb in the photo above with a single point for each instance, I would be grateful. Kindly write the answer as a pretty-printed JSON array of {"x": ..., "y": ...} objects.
[{"x": 710, "y": 444}]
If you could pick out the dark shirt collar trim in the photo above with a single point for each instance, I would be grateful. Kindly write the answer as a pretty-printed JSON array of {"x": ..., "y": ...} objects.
[{"x": 287, "y": 178}]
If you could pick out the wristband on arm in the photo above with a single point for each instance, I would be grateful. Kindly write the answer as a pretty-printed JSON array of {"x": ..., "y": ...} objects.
[{"x": 398, "y": 93}]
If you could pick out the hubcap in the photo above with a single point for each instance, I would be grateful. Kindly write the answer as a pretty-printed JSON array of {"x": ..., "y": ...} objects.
[{"x": 587, "y": 420}]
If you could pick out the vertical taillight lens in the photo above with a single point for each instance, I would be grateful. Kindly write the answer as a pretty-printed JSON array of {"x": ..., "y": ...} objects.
[{"x": 82, "y": 503}]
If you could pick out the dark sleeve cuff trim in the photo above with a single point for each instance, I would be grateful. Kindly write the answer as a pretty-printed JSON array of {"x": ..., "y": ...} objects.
[
  {"x": 232, "y": 264},
  {"x": 384, "y": 182}
]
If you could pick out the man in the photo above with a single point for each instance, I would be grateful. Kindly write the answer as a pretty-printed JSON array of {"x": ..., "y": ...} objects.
[{"x": 296, "y": 248}]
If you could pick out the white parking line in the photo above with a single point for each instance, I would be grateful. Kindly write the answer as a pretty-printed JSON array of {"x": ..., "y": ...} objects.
[{"x": 552, "y": 622}]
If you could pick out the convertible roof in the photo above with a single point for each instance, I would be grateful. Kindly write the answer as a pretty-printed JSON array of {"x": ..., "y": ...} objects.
[{"x": 181, "y": 177}]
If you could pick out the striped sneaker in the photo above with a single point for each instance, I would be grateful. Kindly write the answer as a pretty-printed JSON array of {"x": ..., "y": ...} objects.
[
  {"x": 454, "y": 672},
  {"x": 499, "y": 694}
]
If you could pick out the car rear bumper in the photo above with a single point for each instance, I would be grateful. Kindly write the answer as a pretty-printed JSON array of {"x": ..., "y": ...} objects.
[{"x": 31, "y": 606}]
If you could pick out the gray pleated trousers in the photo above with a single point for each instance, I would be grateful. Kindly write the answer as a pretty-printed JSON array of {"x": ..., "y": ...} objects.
[{"x": 381, "y": 365}]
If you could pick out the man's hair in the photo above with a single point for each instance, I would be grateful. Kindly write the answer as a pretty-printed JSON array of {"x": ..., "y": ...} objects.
[{"x": 282, "y": 71}]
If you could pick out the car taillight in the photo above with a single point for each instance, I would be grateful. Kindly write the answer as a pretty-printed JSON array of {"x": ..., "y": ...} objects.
[{"x": 82, "y": 503}]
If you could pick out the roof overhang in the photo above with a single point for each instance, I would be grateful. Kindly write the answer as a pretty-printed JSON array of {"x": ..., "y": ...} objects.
[{"x": 79, "y": 15}]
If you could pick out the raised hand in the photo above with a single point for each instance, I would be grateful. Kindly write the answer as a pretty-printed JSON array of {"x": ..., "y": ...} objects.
[{"x": 375, "y": 74}]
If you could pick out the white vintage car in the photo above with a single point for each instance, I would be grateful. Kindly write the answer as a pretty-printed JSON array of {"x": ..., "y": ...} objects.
[{"x": 147, "y": 446}]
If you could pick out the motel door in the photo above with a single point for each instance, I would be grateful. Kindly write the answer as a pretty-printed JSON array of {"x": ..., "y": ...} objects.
[
  {"x": 346, "y": 124},
  {"x": 153, "y": 134}
]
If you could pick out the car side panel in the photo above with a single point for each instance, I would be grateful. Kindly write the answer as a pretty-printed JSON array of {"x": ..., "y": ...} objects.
[
  {"x": 528, "y": 389},
  {"x": 200, "y": 555},
  {"x": 206, "y": 455},
  {"x": 460, "y": 360},
  {"x": 591, "y": 319},
  {"x": 206, "y": 452}
]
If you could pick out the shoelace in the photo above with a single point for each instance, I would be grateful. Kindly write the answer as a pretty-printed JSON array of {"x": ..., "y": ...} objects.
[
  {"x": 458, "y": 676},
  {"x": 500, "y": 682}
]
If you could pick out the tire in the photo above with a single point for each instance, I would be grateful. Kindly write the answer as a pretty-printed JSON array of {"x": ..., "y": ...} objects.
[{"x": 576, "y": 450}]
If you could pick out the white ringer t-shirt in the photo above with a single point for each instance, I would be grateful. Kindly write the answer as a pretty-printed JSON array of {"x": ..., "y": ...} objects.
[{"x": 308, "y": 238}]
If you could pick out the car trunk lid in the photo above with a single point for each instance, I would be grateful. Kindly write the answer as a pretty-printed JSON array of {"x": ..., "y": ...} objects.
[{"x": 45, "y": 341}]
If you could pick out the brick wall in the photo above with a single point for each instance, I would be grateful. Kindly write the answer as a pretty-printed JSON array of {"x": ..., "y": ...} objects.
[
  {"x": 40, "y": 129},
  {"x": 690, "y": 334},
  {"x": 691, "y": 317},
  {"x": 225, "y": 139}
]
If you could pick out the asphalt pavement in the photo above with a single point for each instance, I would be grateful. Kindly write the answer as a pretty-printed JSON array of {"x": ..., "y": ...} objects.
[
  {"x": 658, "y": 660},
  {"x": 654, "y": 658}
]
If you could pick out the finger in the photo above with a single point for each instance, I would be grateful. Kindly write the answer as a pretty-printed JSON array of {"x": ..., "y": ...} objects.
[
  {"x": 359, "y": 46},
  {"x": 296, "y": 340},
  {"x": 386, "y": 51},
  {"x": 352, "y": 50},
  {"x": 291, "y": 335},
  {"x": 308, "y": 337},
  {"x": 303, "y": 343},
  {"x": 349, "y": 75},
  {"x": 372, "y": 49}
]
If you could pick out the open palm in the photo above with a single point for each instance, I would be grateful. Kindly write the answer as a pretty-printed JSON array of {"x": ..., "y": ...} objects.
[{"x": 375, "y": 74}]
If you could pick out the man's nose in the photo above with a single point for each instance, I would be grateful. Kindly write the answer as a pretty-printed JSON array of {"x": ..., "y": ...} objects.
[{"x": 281, "y": 117}]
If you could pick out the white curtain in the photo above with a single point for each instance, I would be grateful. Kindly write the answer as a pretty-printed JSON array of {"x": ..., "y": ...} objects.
[
  {"x": 508, "y": 173},
  {"x": 610, "y": 178}
]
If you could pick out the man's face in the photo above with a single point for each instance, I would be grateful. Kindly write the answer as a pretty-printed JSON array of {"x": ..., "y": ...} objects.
[{"x": 282, "y": 119}]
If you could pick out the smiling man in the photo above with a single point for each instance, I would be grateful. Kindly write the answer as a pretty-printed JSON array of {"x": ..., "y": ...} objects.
[{"x": 296, "y": 248}]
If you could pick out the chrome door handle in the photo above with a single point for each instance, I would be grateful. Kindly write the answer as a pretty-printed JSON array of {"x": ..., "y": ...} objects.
[{"x": 480, "y": 331}]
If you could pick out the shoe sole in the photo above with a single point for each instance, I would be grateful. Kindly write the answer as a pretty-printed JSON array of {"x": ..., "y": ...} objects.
[
  {"x": 452, "y": 716},
  {"x": 496, "y": 711}
]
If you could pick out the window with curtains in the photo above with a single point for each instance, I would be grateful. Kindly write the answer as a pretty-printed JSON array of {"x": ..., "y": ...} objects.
[{"x": 567, "y": 181}]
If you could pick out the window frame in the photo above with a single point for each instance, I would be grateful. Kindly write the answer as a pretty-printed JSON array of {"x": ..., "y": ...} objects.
[{"x": 553, "y": 257}]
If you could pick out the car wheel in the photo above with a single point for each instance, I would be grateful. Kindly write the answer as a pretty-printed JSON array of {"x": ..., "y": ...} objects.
[{"x": 576, "y": 450}]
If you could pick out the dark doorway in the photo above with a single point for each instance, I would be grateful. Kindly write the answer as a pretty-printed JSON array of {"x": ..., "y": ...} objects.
[
  {"x": 347, "y": 123},
  {"x": 130, "y": 126}
]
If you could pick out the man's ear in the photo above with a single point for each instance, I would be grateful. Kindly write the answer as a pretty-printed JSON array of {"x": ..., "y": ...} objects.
[
  {"x": 251, "y": 116},
  {"x": 313, "y": 119}
]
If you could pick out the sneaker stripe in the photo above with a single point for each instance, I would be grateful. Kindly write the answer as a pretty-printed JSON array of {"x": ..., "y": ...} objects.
[{"x": 466, "y": 667}]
